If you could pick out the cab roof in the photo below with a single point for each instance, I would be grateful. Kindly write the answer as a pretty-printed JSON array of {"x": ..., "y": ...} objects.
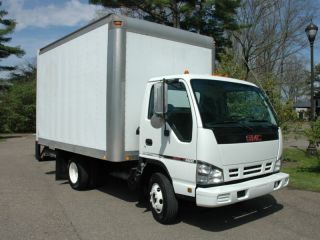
[{"x": 188, "y": 77}]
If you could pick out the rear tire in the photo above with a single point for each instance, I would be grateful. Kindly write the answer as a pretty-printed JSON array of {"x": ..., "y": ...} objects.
[
  {"x": 37, "y": 151},
  {"x": 78, "y": 174},
  {"x": 162, "y": 199}
]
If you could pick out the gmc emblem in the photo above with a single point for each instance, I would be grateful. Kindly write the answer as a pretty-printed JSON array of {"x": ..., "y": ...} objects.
[{"x": 254, "y": 138}]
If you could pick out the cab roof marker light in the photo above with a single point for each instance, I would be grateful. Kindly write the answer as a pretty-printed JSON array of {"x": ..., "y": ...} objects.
[{"x": 220, "y": 75}]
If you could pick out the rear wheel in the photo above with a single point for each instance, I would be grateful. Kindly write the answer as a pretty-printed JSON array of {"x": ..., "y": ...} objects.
[
  {"x": 163, "y": 202},
  {"x": 78, "y": 174},
  {"x": 37, "y": 151}
]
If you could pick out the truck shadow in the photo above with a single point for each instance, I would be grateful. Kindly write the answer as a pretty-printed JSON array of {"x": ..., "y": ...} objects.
[
  {"x": 119, "y": 189},
  {"x": 209, "y": 219},
  {"x": 227, "y": 217}
]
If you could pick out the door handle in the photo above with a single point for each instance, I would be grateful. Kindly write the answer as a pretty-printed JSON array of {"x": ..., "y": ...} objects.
[{"x": 149, "y": 142}]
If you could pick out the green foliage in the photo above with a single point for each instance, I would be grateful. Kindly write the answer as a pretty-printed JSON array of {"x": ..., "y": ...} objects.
[
  {"x": 18, "y": 104},
  {"x": 7, "y": 27},
  {"x": 284, "y": 110},
  {"x": 304, "y": 170},
  {"x": 214, "y": 18},
  {"x": 210, "y": 17},
  {"x": 313, "y": 133},
  {"x": 247, "y": 105},
  {"x": 229, "y": 67}
]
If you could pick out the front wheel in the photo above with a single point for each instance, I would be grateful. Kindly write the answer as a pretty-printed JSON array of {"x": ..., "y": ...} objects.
[{"x": 163, "y": 202}]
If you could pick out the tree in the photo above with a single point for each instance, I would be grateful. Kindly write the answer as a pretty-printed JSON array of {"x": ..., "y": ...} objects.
[
  {"x": 18, "y": 104},
  {"x": 7, "y": 26},
  {"x": 269, "y": 45},
  {"x": 229, "y": 66},
  {"x": 295, "y": 79},
  {"x": 313, "y": 135},
  {"x": 209, "y": 17},
  {"x": 274, "y": 32}
]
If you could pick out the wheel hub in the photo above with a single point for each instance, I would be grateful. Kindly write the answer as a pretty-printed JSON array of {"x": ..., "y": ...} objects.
[
  {"x": 156, "y": 198},
  {"x": 73, "y": 172}
]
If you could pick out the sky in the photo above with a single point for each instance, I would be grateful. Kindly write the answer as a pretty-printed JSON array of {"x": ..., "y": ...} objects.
[{"x": 40, "y": 22}]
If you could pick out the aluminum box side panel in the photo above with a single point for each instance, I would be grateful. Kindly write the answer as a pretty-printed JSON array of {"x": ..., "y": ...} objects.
[
  {"x": 149, "y": 57},
  {"x": 71, "y": 88}
]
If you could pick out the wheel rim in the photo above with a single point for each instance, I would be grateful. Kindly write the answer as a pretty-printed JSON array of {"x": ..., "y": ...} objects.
[
  {"x": 73, "y": 172},
  {"x": 156, "y": 198}
]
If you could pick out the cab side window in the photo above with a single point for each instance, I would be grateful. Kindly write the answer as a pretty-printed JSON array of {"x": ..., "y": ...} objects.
[
  {"x": 151, "y": 103},
  {"x": 179, "y": 115}
]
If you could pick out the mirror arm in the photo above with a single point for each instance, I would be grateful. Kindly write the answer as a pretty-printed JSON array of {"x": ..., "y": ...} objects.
[
  {"x": 166, "y": 131},
  {"x": 163, "y": 100}
]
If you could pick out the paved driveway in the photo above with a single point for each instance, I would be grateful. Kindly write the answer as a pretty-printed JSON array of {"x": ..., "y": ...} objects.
[{"x": 35, "y": 206}]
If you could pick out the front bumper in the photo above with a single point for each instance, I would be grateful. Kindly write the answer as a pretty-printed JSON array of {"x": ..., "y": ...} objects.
[{"x": 229, "y": 194}]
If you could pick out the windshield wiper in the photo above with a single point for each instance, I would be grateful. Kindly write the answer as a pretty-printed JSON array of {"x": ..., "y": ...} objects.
[
  {"x": 236, "y": 122},
  {"x": 256, "y": 120},
  {"x": 263, "y": 121}
]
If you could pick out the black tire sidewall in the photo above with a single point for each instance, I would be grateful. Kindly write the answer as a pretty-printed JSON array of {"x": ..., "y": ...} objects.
[
  {"x": 82, "y": 181},
  {"x": 159, "y": 178}
]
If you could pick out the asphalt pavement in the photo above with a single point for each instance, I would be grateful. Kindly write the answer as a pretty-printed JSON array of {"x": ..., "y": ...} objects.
[{"x": 35, "y": 206}]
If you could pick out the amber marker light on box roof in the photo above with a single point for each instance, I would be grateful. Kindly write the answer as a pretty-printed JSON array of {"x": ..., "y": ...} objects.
[{"x": 118, "y": 23}]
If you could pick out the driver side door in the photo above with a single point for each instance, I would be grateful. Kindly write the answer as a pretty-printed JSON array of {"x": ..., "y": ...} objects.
[{"x": 177, "y": 151}]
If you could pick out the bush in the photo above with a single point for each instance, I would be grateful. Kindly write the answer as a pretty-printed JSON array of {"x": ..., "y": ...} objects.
[
  {"x": 230, "y": 68},
  {"x": 313, "y": 133},
  {"x": 18, "y": 108},
  {"x": 284, "y": 109}
]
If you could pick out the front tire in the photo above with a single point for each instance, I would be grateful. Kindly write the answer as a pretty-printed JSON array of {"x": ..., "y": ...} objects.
[
  {"x": 163, "y": 202},
  {"x": 78, "y": 174}
]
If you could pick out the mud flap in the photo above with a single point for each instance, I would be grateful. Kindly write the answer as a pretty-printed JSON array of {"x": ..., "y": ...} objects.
[{"x": 61, "y": 166}]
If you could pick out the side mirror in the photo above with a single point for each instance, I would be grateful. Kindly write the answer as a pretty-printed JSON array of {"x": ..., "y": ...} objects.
[
  {"x": 160, "y": 104},
  {"x": 160, "y": 98}
]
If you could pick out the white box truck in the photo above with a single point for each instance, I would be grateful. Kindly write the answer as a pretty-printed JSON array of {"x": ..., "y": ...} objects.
[{"x": 208, "y": 139}]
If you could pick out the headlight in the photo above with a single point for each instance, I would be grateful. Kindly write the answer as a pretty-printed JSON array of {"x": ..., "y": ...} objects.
[
  {"x": 208, "y": 174},
  {"x": 277, "y": 165}
]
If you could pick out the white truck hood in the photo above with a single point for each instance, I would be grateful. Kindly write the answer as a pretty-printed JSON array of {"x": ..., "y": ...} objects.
[
  {"x": 245, "y": 153},
  {"x": 240, "y": 160}
]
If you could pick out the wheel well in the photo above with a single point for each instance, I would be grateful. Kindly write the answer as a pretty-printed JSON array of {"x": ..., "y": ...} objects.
[{"x": 153, "y": 166}]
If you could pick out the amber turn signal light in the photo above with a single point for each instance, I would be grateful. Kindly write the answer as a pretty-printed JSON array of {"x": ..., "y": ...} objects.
[{"x": 118, "y": 23}]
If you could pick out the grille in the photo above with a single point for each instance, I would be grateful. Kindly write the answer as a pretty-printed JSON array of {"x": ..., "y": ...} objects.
[
  {"x": 251, "y": 170},
  {"x": 233, "y": 172},
  {"x": 268, "y": 166}
]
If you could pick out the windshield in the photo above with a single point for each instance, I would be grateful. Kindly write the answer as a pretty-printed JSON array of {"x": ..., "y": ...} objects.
[{"x": 225, "y": 103}]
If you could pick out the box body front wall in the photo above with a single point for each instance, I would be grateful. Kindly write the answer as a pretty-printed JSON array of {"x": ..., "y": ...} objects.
[
  {"x": 71, "y": 91},
  {"x": 148, "y": 57}
]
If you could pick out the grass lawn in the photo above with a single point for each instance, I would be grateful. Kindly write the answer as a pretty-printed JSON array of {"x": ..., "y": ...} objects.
[{"x": 304, "y": 170}]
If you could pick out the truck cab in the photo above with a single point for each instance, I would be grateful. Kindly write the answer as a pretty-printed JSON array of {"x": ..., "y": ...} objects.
[{"x": 217, "y": 138}]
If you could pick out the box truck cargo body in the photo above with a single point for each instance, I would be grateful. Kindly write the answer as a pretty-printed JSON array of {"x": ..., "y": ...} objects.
[
  {"x": 91, "y": 84},
  {"x": 109, "y": 93}
]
